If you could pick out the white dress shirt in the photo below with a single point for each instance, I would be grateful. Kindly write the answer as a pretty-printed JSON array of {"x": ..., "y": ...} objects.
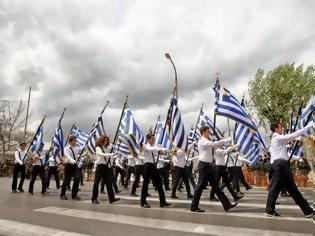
[
  {"x": 205, "y": 148},
  {"x": 180, "y": 159},
  {"x": 278, "y": 145},
  {"x": 131, "y": 161},
  {"x": 150, "y": 151},
  {"x": 220, "y": 156},
  {"x": 39, "y": 158},
  {"x": 103, "y": 155},
  {"x": 71, "y": 154},
  {"x": 19, "y": 155},
  {"x": 52, "y": 161}
]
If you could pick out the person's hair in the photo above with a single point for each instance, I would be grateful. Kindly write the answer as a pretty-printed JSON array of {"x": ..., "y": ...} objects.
[
  {"x": 22, "y": 143},
  {"x": 274, "y": 125},
  {"x": 71, "y": 138},
  {"x": 102, "y": 140},
  {"x": 149, "y": 136},
  {"x": 203, "y": 129}
]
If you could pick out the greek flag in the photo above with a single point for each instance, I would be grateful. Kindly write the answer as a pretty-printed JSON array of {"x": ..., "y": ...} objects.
[
  {"x": 38, "y": 140},
  {"x": 161, "y": 137},
  {"x": 97, "y": 131},
  {"x": 310, "y": 107},
  {"x": 176, "y": 127},
  {"x": 130, "y": 135},
  {"x": 253, "y": 155},
  {"x": 122, "y": 147},
  {"x": 194, "y": 136},
  {"x": 243, "y": 137},
  {"x": 58, "y": 142},
  {"x": 206, "y": 121},
  {"x": 81, "y": 136},
  {"x": 227, "y": 105}
]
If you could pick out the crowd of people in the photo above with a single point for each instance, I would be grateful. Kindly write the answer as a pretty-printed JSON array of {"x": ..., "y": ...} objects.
[{"x": 219, "y": 166}]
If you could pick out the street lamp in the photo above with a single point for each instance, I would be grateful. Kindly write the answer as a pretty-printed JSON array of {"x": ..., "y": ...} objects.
[{"x": 168, "y": 56}]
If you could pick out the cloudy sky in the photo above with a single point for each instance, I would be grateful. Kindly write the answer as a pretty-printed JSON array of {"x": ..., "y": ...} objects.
[{"x": 79, "y": 53}]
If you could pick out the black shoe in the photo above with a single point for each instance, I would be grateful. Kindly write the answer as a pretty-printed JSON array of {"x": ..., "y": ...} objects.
[
  {"x": 167, "y": 189},
  {"x": 197, "y": 210},
  {"x": 44, "y": 193},
  {"x": 231, "y": 206},
  {"x": 179, "y": 189},
  {"x": 145, "y": 205},
  {"x": 249, "y": 187},
  {"x": 95, "y": 202},
  {"x": 272, "y": 214},
  {"x": 134, "y": 195},
  {"x": 77, "y": 198},
  {"x": 21, "y": 190},
  {"x": 58, "y": 187},
  {"x": 149, "y": 195},
  {"x": 165, "y": 204},
  {"x": 213, "y": 199},
  {"x": 102, "y": 191},
  {"x": 63, "y": 198},
  {"x": 174, "y": 196},
  {"x": 311, "y": 215},
  {"x": 189, "y": 196},
  {"x": 118, "y": 191},
  {"x": 114, "y": 200},
  {"x": 238, "y": 198},
  {"x": 284, "y": 194},
  {"x": 14, "y": 191},
  {"x": 30, "y": 193}
]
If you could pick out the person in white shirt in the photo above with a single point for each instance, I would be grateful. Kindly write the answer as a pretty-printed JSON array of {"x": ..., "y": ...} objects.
[
  {"x": 282, "y": 175},
  {"x": 53, "y": 163},
  {"x": 179, "y": 161},
  {"x": 104, "y": 156},
  {"x": 19, "y": 167},
  {"x": 130, "y": 169},
  {"x": 71, "y": 170},
  {"x": 163, "y": 168},
  {"x": 38, "y": 169},
  {"x": 221, "y": 157},
  {"x": 238, "y": 174},
  {"x": 207, "y": 171},
  {"x": 120, "y": 169},
  {"x": 150, "y": 172},
  {"x": 138, "y": 171}
]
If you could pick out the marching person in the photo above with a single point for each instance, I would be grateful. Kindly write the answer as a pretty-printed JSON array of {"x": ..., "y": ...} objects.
[
  {"x": 179, "y": 161},
  {"x": 207, "y": 171},
  {"x": 163, "y": 170},
  {"x": 19, "y": 167},
  {"x": 103, "y": 155},
  {"x": 221, "y": 158},
  {"x": 282, "y": 175},
  {"x": 138, "y": 172},
  {"x": 119, "y": 169},
  {"x": 130, "y": 169},
  {"x": 38, "y": 169},
  {"x": 150, "y": 172},
  {"x": 53, "y": 170},
  {"x": 71, "y": 170}
]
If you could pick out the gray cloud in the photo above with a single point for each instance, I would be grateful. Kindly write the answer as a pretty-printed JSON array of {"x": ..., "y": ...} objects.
[{"x": 79, "y": 54}]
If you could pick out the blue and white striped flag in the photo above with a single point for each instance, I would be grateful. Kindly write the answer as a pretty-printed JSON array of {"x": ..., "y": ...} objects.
[
  {"x": 227, "y": 105},
  {"x": 161, "y": 137},
  {"x": 310, "y": 107},
  {"x": 176, "y": 127},
  {"x": 97, "y": 131},
  {"x": 206, "y": 121},
  {"x": 243, "y": 137},
  {"x": 81, "y": 136},
  {"x": 58, "y": 142},
  {"x": 253, "y": 155},
  {"x": 38, "y": 140},
  {"x": 130, "y": 134}
]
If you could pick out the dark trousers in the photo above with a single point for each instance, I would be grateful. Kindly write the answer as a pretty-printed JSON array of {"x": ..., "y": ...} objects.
[
  {"x": 38, "y": 170},
  {"x": 207, "y": 174},
  {"x": 222, "y": 174},
  {"x": 120, "y": 171},
  {"x": 71, "y": 171},
  {"x": 177, "y": 174},
  {"x": 150, "y": 172},
  {"x": 16, "y": 170},
  {"x": 53, "y": 170},
  {"x": 130, "y": 170},
  {"x": 282, "y": 177},
  {"x": 112, "y": 178},
  {"x": 81, "y": 176},
  {"x": 242, "y": 178},
  {"x": 138, "y": 173},
  {"x": 103, "y": 173},
  {"x": 163, "y": 173}
]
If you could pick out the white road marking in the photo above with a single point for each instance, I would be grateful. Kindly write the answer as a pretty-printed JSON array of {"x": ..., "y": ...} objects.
[
  {"x": 15, "y": 228},
  {"x": 162, "y": 224}
]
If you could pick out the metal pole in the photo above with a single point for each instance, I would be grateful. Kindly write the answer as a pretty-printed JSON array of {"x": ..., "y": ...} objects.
[{"x": 27, "y": 110}]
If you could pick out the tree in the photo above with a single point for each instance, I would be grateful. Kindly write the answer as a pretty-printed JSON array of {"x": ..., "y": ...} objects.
[
  {"x": 11, "y": 123},
  {"x": 278, "y": 94}
]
